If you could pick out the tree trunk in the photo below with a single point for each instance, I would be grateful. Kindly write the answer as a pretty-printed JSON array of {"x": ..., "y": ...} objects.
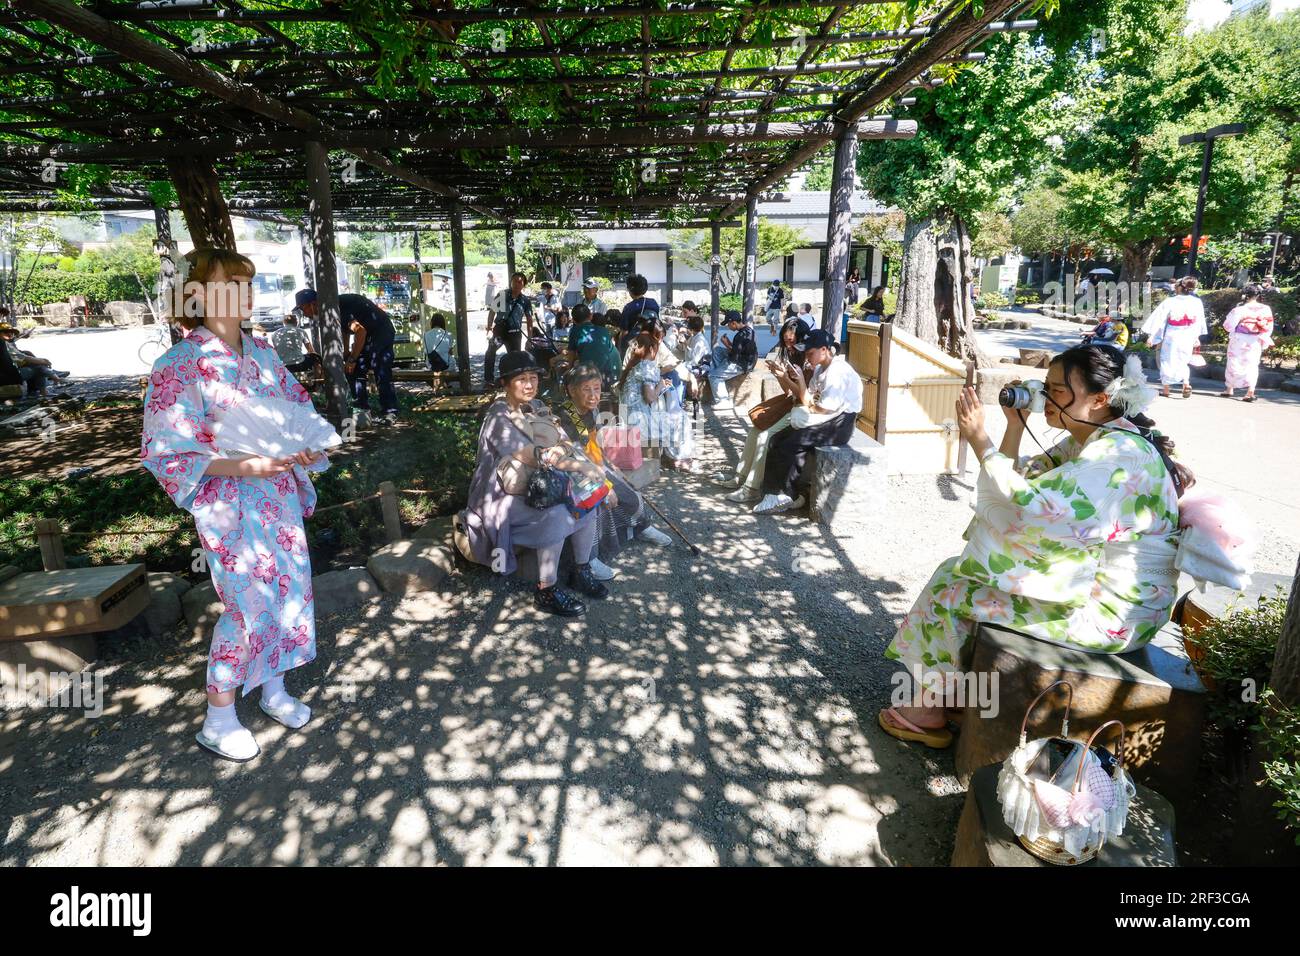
[
  {"x": 1137, "y": 260},
  {"x": 934, "y": 301},
  {"x": 1286, "y": 662},
  {"x": 199, "y": 195}
]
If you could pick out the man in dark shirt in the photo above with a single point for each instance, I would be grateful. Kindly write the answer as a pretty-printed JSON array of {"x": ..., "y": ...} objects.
[
  {"x": 368, "y": 336},
  {"x": 514, "y": 317}
]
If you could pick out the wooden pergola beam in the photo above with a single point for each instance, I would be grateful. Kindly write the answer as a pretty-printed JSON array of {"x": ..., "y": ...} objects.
[
  {"x": 363, "y": 143},
  {"x": 84, "y": 23}
]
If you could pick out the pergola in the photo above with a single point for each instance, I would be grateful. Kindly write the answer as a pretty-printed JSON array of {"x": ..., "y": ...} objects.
[{"x": 381, "y": 114}]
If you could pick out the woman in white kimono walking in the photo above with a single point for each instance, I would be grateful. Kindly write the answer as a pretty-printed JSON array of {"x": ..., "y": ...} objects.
[
  {"x": 1175, "y": 327},
  {"x": 1250, "y": 334},
  {"x": 1075, "y": 546},
  {"x": 248, "y": 510}
]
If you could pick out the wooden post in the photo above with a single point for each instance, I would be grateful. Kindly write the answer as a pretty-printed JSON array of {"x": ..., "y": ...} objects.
[
  {"x": 715, "y": 282},
  {"x": 750, "y": 276},
  {"x": 392, "y": 514},
  {"x": 309, "y": 274},
  {"x": 49, "y": 535},
  {"x": 166, "y": 250},
  {"x": 458, "y": 293},
  {"x": 510, "y": 253},
  {"x": 839, "y": 230},
  {"x": 320, "y": 215}
]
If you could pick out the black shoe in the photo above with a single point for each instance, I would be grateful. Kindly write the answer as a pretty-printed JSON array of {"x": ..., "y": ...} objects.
[
  {"x": 582, "y": 579},
  {"x": 558, "y": 601}
]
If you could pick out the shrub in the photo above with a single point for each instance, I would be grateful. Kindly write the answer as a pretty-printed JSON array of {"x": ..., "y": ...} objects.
[
  {"x": 992, "y": 300},
  {"x": 1027, "y": 293},
  {"x": 56, "y": 285},
  {"x": 1279, "y": 730},
  {"x": 1239, "y": 648},
  {"x": 731, "y": 300}
]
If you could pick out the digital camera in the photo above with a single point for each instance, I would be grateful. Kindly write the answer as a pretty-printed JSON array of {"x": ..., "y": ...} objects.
[{"x": 1026, "y": 395}]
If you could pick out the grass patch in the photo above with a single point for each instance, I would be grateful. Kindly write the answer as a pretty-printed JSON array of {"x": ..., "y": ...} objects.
[{"x": 428, "y": 452}]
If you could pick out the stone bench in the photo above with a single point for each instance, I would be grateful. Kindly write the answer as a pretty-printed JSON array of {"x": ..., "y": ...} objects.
[
  {"x": 984, "y": 839},
  {"x": 848, "y": 484},
  {"x": 1155, "y": 691}
]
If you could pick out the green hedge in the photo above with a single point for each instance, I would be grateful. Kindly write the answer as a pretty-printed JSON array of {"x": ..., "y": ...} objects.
[{"x": 55, "y": 285}]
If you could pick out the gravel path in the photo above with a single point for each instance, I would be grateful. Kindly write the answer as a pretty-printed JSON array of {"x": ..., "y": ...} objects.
[{"x": 718, "y": 710}]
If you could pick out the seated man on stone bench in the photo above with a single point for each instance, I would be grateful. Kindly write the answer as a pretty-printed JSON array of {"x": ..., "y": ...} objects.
[
  {"x": 825, "y": 413},
  {"x": 1075, "y": 546}
]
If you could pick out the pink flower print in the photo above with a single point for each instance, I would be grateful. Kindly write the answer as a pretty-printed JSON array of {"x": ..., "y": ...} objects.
[
  {"x": 208, "y": 494},
  {"x": 287, "y": 538},
  {"x": 284, "y": 585},
  {"x": 1118, "y": 634},
  {"x": 265, "y": 570},
  {"x": 274, "y": 659},
  {"x": 1013, "y": 581},
  {"x": 1117, "y": 532},
  {"x": 1051, "y": 506},
  {"x": 268, "y": 511},
  {"x": 299, "y": 636},
  {"x": 203, "y": 435},
  {"x": 237, "y": 618},
  {"x": 175, "y": 465},
  {"x": 297, "y": 393},
  {"x": 186, "y": 372},
  {"x": 207, "y": 370},
  {"x": 309, "y": 596},
  {"x": 171, "y": 488},
  {"x": 231, "y": 562},
  {"x": 1135, "y": 484},
  {"x": 165, "y": 389},
  {"x": 991, "y": 606},
  {"x": 284, "y": 484}
]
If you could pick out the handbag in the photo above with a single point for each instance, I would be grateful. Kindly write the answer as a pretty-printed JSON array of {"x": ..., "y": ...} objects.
[
  {"x": 1063, "y": 799},
  {"x": 621, "y": 445},
  {"x": 547, "y": 487},
  {"x": 770, "y": 411},
  {"x": 513, "y": 474}
]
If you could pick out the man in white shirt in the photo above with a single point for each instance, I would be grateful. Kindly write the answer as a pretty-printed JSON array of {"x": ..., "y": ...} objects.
[
  {"x": 825, "y": 413},
  {"x": 806, "y": 316},
  {"x": 591, "y": 297},
  {"x": 292, "y": 345},
  {"x": 548, "y": 304}
]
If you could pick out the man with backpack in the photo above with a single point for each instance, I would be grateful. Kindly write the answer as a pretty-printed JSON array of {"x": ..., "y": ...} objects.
[
  {"x": 514, "y": 316},
  {"x": 734, "y": 355}
]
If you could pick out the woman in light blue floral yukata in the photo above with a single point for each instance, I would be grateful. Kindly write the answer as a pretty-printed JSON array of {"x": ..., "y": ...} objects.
[
  {"x": 1075, "y": 546},
  {"x": 248, "y": 511}
]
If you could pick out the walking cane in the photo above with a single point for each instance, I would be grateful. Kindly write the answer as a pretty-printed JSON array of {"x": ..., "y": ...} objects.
[{"x": 668, "y": 521}]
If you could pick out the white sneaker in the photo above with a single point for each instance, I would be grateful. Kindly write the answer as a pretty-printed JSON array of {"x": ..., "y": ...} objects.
[
  {"x": 775, "y": 504},
  {"x": 601, "y": 571},
  {"x": 727, "y": 479},
  {"x": 740, "y": 495},
  {"x": 237, "y": 744},
  {"x": 655, "y": 536}
]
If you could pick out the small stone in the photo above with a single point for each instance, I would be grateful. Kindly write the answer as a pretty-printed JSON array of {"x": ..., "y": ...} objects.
[{"x": 411, "y": 566}]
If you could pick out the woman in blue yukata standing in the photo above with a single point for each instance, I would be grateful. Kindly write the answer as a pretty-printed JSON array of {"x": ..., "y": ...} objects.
[{"x": 248, "y": 511}]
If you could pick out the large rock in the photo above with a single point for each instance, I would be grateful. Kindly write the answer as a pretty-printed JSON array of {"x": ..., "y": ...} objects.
[
  {"x": 848, "y": 484},
  {"x": 164, "y": 610},
  {"x": 338, "y": 590},
  {"x": 201, "y": 608},
  {"x": 414, "y": 565},
  {"x": 129, "y": 313},
  {"x": 57, "y": 314}
]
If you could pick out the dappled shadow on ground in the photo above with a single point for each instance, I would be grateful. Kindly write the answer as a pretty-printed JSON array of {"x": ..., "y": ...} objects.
[{"x": 717, "y": 710}]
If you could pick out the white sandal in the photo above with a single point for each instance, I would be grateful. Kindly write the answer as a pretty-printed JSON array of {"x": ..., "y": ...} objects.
[
  {"x": 292, "y": 713},
  {"x": 238, "y": 745}
]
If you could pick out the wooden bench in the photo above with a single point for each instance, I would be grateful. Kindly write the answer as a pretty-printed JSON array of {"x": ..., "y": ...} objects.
[
  {"x": 437, "y": 380},
  {"x": 984, "y": 839},
  {"x": 1155, "y": 691},
  {"x": 48, "y": 619}
]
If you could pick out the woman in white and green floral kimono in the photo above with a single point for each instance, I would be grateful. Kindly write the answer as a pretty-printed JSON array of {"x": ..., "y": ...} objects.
[{"x": 1075, "y": 546}]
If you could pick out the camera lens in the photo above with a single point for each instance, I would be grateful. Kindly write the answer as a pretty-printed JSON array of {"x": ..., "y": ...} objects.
[{"x": 1014, "y": 396}]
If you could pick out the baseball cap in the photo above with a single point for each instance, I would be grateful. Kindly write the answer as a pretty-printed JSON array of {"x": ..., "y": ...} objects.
[
  {"x": 818, "y": 339},
  {"x": 304, "y": 296},
  {"x": 732, "y": 315},
  {"x": 590, "y": 284}
]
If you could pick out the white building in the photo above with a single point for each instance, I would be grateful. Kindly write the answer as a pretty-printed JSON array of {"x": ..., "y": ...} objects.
[{"x": 624, "y": 252}]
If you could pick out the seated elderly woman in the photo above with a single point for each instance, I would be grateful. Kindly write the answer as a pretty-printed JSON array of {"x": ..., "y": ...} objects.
[
  {"x": 518, "y": 435},
  {"x": 1075, "y": 546},
  {"x": 623, "y": 515}
]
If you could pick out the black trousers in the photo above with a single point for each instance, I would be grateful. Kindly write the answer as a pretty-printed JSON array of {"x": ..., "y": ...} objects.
[
  {"x": 788, "y": 451},
  {"x": 513, "y": 342},
  {"x": 312, "y": 360}
]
